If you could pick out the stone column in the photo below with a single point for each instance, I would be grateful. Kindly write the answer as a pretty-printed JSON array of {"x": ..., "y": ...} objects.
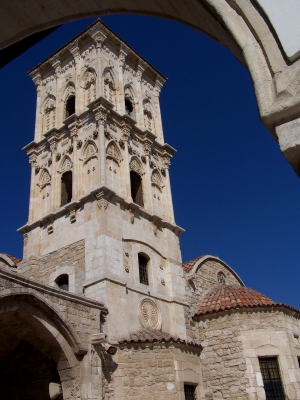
[
  {"x": 77, "y": 184},
  {"x": 126, "y": 179},
  {"x": 57, "y": 67},
  {"x": 169, "y": 202},
  {"x": 39, "y": 117},
  {"x": 148, "y": 203},
  {"x": 158, "y": 123},
  {"x": 74, "y": 49},
  {"x": 139, "y": 106},
  {"x": 55, "y": 178},
  {"x": 101, "y": 113},
  {"x": 99, "y": 38},
  {"x": 123, "y": 52},
  {"x": 33, "y": 206}
]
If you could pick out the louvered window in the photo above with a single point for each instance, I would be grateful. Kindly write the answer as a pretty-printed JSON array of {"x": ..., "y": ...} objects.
[
  {"x": 190, "y": 392},
  {"x": 136, "y": 188},
  {"x": 66, "y": 188},
  {"x": 143, "y": 270},
  {"x": 271, "y": 377}
]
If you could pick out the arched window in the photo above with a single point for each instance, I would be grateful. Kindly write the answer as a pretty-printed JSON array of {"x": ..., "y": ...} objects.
[
  {"x": 70, "y": 106},
  {"x": 66, "y": 188},
  {"x": 143, "y": 270},
  {"x": 63, "y": 282},
  {"x": 136, "y": 188},
  {"x": 128, "y": 106},
  {"x": 221, "y": 278}
]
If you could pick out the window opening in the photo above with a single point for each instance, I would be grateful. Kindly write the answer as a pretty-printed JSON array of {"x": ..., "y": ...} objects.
[
  {"x": 70, "y": 106},
  {"x": 299, "y": 362},
  {"x": 190, "y": 392},
  {"x": 66, "y": 188},
  {"x": 221, "y": 278},
  {"x": 63, "y": 282},
  {"x": 271, "y": 377},
  {"x": 143, "y": 270},
  {"x": 136, "y": 188},
  {"x": 128, "y": 106}
]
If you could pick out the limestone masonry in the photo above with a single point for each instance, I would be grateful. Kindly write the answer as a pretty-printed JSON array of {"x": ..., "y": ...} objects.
[{"x": 101, "y": 306}]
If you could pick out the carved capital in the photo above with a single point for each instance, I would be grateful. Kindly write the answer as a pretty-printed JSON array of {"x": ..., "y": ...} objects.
[
  {"x": 126, "y": 132},
  {"x": 147, "y": 147},
  {"x": 166, "y": 162},
  {"x": 100, "y": 113},
  {"x": 123, "y": 52},
  {"x": 56, "y": 64},
  {"x": 73, "y": 128},
  {"x": 25, "y": 238},
  {"x": 102, "y": 203},
  {"x": 99, "y": 38},
  {"x": 158, "y": 86},
  {"x": 74, "y": 50},
  {"x": 33, "y": 160},
  {"x": 140, "y": 69},
  {"x": 53, "y": 145},
  {"x": 37, "y": 79}
]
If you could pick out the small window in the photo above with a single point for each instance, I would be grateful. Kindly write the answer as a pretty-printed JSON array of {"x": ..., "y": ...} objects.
[
  {"x": 271, "y": 377},
  {"x": 190, "y": 392},
  {"x": 221, "y": 278},
  {"x": 298, "y": 361},
  {"x": 70, "y": 106},
  {"x": 128, "y": 106},
  {"x": 66, "y": 188},
  {"x": 63, "y": 282},
  {"x": 136, "y": 188},
  {"x": 143, "y": 270}
]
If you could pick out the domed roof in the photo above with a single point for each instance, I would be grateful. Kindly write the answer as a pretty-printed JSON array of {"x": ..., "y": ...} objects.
[{"x": 227, "y": 297}]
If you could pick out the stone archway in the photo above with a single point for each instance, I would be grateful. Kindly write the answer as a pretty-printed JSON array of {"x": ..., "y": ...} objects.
[
  {"x": 241, "y": 25},
  {"x": 33, "y": 351}
]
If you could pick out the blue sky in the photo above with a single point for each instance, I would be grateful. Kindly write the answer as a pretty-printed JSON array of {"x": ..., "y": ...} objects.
[{"x": 233, "y": 192}]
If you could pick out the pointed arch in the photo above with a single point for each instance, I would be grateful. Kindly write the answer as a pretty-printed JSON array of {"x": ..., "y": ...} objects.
[
  {"x": 89, "y": 151},
  {"x": 109, "y": 80},
  {"x": 156, "y": 179},
  {"x": 45, "y": 178},
  {"x": 113, "y": 152},
  {"x": 69, "y": 99},
  {"x": 48, "y": 111},
  {"x": 136, "y": 166},
  {"x": 89, "y": 84},
  {"x": 66, "y": 164}
]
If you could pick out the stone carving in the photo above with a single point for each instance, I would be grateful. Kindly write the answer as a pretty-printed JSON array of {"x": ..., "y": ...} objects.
[
  {"x": 135, "y": 165},
  {"x": 109, "y": 85},
  {"x": 149, "y": 314},
  {"x": 49, "y": 113},
  {"x": 89, "y": 151},
  {"x": 70, "y": 91},
  {"x": 126, "y": 263},
  {"x": 156, "y": 180},
  {"x": 79, "y": 144},
  {"x": 102, "y": 203},
  {"x": 221, "y": 278},
  {"x": 73, "y": 216},
  {"x": 45, "y": 179},
  {"x": 66, "y": 165},
  {"x": 113, "y": 152},
  {"x": 100, "y": 113},
  {"x": 25, "y": 238},
  {"x": 90, "y": 86},
  {"x": 33, "y": 160},
  {"x": 57, "y": 156}
]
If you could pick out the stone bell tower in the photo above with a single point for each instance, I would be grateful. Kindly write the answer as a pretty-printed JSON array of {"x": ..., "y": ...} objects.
[{"x": 101, "y": 220}]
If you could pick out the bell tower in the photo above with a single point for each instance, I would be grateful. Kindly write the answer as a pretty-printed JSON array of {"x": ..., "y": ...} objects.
[{"x": 101, "y": 221}]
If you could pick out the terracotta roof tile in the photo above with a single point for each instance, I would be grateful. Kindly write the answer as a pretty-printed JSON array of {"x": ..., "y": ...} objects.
[
  {"x": 227, "y": 297},
  {"x": 147, "y": 335},
  {"x": 15, "y": 260},
  {"x": 187, "y": 266}
]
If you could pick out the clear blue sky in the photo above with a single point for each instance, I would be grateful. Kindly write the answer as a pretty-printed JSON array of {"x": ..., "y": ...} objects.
[{"x": 233, "y": 192}]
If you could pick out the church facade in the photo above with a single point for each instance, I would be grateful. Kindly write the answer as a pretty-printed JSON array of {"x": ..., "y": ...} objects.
[{"x": 101, "y": 306}]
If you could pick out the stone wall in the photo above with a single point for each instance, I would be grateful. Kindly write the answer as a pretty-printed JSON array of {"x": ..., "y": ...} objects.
[
  {"x": 155, "y": 371},
  {"x": 68, "y": 260},
  {"x": 232, "y": 344}
]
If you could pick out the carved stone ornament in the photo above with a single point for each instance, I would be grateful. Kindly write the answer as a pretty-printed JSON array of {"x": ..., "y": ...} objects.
[
  {"x": 147, "y": 147},
  {"x": 49, "y": 104},
  {"x": 122, "y": 144},
  {"x": 135, "y": 166},
  {"x": 73, "y": 216},
  {"x": 89, "y": 152},
  {"x": 166, "y": 162},
  {"x": 149, "y": 314},
  {"x": 144, "y": 159},
  {"x": 162, "y": 281},
  {"x": 131, "y": 216},
  {"x": 25, "y": 238},
  {"x": 126, "y": 132},
  {"x": 57, "y": 156},
  {"x": 66, "y": 165},
  {"x": 45, "y": 179},
  {"x": 79, "y": 144},
  {"x": 102, "y": 203},
  {"x": 32, "y": 159},
  {"x": 95, "y": 134},
  {"x": 100, "y": 113},
  {"x": 156, "y": 180},
  {"x": 113, "y": 152}
]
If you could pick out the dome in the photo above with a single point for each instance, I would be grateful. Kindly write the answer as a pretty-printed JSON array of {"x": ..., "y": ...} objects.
[{"x": 227, "y": 297}]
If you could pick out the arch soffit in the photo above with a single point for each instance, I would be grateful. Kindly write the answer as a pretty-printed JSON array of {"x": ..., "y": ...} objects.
[
  {"x": 7, "y": 260},
  {"x": 37, "y": 306},
  {"x": 192, "y": 274}
]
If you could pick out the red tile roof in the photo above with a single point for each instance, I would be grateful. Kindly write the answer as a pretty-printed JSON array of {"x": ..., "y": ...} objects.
[
  {"x": 148, "y": 335},
  {"x": 227, "y": 297},
  {"x": 15, "y": 260},
  {"x": 187, "y": 266}
]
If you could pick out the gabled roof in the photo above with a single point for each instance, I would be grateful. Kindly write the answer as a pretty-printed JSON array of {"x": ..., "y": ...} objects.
[
  {"x": 228, "y": 297},
  {"x": 155, "y": 335}
]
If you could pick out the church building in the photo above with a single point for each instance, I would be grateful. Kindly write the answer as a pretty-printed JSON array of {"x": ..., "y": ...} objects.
[{"x": 101, "y": 306}]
